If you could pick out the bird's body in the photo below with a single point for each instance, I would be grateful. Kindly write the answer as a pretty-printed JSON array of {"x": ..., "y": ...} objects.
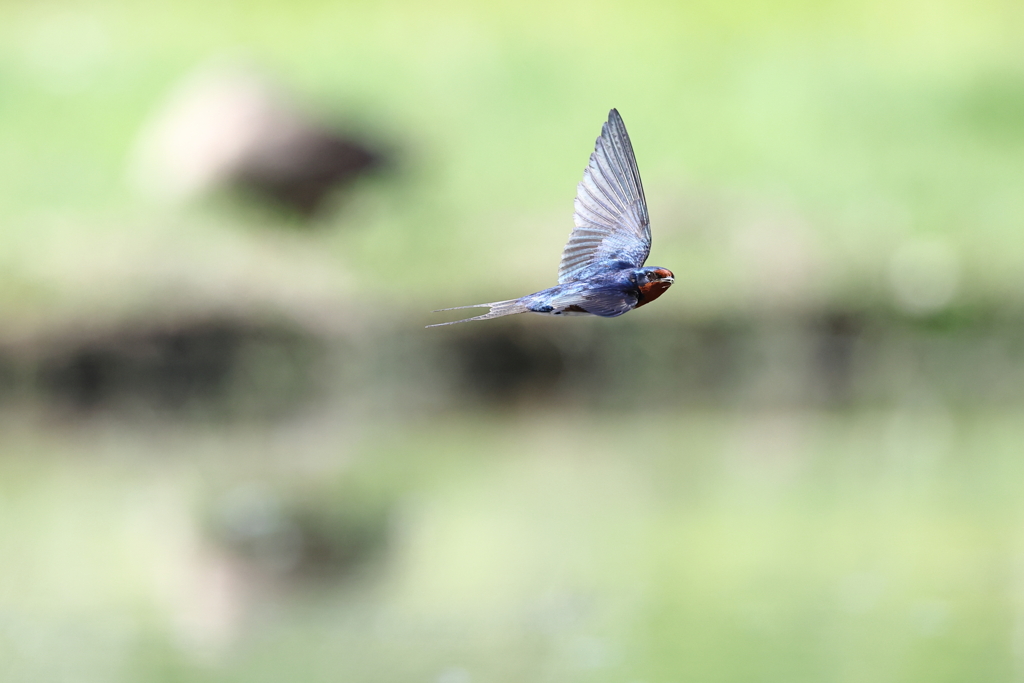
[{"x": 602, "y": 270}]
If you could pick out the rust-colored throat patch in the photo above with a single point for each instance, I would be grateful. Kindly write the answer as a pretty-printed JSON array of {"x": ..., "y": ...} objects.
[{"x": 650, "y": 291}]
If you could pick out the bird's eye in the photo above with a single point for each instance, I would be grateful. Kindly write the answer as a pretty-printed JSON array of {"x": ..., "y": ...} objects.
[{"x": 652, "y": 275}]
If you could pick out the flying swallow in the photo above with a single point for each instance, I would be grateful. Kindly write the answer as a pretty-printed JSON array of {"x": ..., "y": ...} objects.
[{"x": 602, "y": 270}]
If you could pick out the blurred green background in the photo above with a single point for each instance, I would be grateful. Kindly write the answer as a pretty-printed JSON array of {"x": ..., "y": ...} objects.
[{"x": 229, "y": 451}]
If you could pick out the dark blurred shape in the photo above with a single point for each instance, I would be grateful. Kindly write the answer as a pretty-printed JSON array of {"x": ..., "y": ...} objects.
[
  {"x": 829, "y": 359},
  {"x": 509, "y": 363},
  {"x": 224, "y": 366},
  {"x": 717, "y": 357},
  {"x": 303, "y": 536},
  {"x": 8, "y": 377},
  {"x": 334, "y": 544},
  {"x": 838, "y": 334},
  {"x": 214, "y": 366},
  {"x": 301, "y": 173},
  {"x": 229, "y": 126}
]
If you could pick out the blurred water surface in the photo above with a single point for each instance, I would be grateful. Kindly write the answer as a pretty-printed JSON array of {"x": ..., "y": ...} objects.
[{"x": 229, "y": 451}]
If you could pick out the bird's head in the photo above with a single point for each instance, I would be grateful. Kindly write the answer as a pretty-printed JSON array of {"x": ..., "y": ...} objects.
[{"x": 652, "y": 283}]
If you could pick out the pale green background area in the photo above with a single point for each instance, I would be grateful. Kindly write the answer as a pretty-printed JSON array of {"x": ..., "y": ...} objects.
[
  {"x": 774, "y": 547},
  {"x": 855, "y": 126},
  {"x": 543, "y": 543}
]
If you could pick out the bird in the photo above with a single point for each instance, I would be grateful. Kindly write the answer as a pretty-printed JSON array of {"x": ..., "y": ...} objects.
[
  {"x": 229, "y": 125},
  {"x": 602, "y": 269}
]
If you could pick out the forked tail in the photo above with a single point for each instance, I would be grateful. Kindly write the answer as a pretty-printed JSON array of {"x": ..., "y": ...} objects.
[{"x": 498, "y": 309}]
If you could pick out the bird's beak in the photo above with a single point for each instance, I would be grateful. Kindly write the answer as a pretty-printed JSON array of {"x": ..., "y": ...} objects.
[{"x": 668, "y": 280}]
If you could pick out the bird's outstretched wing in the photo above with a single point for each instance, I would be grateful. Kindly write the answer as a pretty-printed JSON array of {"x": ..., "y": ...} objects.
[{"x": 611, "y": 214}]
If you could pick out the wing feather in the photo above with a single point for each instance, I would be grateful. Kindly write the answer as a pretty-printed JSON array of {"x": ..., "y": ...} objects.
[{"x": 611, "y": 221}]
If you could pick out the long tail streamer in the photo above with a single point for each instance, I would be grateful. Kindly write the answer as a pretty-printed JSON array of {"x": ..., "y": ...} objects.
[{"x": 498, "y": 309}]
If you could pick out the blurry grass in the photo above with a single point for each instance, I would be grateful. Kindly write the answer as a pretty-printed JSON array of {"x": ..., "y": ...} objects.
[
  {"x": 861, "y": 123},
  {"x": 722, "y": 547}
]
